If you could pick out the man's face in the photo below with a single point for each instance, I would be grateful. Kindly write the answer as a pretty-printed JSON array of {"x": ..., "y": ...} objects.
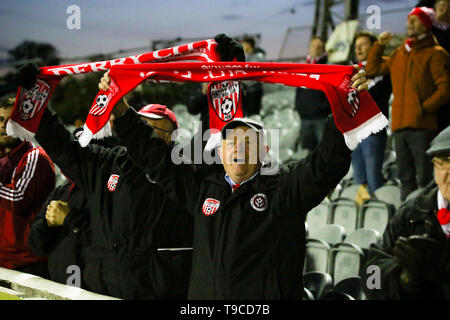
[
  {"x": 415, "y": 27},
  {"x": 442, "y": 175},
  {"x": 442, "y": 9},
  {"x": 240, "y": 153},
  {"x": 247, "y": 47},
  {"x": 316, "y": 48},
  {"x": 162, "y": 127},
  {"x": 362, "y": 48},
  {"x": 5, "y": 140}
]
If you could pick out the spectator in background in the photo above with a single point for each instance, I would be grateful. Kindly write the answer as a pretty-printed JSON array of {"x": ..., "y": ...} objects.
[
  {"x": 420, "y": 83},
  {"x": 312, "y": 105},
  {"x": 27, "y": 176},
  {"x": 61, "y": 232},
  {"x": 252, "y": 90},
  {"x": 367, "y": 158},
  {"x": 441, "y": 30},
  {"x": 415, "y": 259}
]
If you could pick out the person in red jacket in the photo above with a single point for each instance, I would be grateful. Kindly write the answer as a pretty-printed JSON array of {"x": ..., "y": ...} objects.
[{"x": 27, "y": 176}]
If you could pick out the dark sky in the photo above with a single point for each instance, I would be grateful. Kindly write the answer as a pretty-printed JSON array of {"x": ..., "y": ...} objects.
[{"x": 112, "y": 25}]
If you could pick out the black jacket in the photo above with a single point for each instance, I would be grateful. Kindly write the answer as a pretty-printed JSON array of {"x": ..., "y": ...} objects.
[
  {"x": 240, "y": 252},
  {"x": 409, "y": 220},
  {"x": 129, "y": 221},
  {"x": 64, "y": 245}
]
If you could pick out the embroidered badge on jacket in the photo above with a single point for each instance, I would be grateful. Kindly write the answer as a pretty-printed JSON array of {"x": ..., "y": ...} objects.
[
  {"x": 210, "y": 206},
  {"x": 112, "y": 182}
]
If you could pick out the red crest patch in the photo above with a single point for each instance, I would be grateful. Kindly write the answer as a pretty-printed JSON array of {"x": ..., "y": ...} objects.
[
  {"x": 210, "y": 206},
  {"x": 225, "y": 98},
  {"x": 112, "y": 182},
  {"x": 32, "y": 100}
]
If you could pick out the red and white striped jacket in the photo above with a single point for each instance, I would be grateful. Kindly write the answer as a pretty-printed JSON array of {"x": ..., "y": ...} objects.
[{"x": 27, "y": 176}]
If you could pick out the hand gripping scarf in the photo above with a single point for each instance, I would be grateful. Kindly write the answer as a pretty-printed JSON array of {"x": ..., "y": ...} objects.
[{"x": 356, "y": 115}]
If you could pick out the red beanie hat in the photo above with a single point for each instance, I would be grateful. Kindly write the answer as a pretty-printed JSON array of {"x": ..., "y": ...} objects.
[{"x": 424, "y": 14}]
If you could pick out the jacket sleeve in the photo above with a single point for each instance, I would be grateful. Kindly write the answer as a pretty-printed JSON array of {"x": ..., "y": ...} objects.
[
  {"x": 313, "y": 178},
  {"x": 439, "y": 68},
  {"x": 80, "y": 165},
  {"x": 377, "y": 64},
  {"x": 30, "y": 185},
  {"x": 42, "y": 237},
  {"x": 157, "y": 159}
]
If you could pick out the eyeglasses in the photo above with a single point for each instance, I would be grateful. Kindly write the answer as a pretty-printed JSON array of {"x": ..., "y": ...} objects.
[{"x": 442, "y": 162}]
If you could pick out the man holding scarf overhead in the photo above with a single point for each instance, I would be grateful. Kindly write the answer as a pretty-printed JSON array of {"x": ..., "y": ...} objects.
[{"x": 249, "y": 230}]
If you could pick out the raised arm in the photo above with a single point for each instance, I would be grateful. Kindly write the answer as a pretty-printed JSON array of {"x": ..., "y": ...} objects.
[
  {"x": 79, "y": 164},
  {"x": 377, "y": 64}
]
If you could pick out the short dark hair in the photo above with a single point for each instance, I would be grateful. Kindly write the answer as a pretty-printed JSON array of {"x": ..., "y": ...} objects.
[
  {"x": 372, "y": 37},
  {"x": 249, "y": 39},
  {"x": 7, "y": 102}
]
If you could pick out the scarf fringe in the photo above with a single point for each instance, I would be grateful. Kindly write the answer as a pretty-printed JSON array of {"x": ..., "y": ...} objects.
[
  {"x": 87, "y": 135},
  {"x": 14, "y": 129},
  {"x": 373, "y": 125}
]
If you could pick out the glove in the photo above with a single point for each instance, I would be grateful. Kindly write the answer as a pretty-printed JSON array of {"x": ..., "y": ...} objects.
[
  {"x": 424, "y": 257},
  {"x": 27, "y": 75},
  {"x": 229, "y": 49}
]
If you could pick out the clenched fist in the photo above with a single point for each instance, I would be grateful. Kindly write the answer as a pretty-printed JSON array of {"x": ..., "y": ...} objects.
[
  {"x": 57, "y": 211},
  {"x": 384, "y": 38}
]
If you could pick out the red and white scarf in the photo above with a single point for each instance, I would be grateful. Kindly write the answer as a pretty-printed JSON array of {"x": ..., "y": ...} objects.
[
  {"x": 356, "y": 114},
  {"x": 443, "y": 214},
  {"x": 30, "y": 104}
]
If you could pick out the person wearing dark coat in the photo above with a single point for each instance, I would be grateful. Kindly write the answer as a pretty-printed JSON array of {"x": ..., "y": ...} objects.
[
  {"x": 249, "y": 230},
  {"x": 414, "y": 261},
  {"x": 65, "y": 236},
  {"x": 131, "y": 219},
  {"x": 312, "y": 105}
]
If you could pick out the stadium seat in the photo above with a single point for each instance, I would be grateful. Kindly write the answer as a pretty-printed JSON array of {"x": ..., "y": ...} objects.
[
  {"x": 334, "y": 195},
  {"x": 319, "y": 216},
  {"x": 363, "y": 238},
  {"x": 350, "y": 191},
  {"x": 344, "y": 212},
  {"x": 318, "y": 283},
  {"x": 414, "y": 194},
  {"x": 351, "y": 286},
  {"x": 306, "y": 230},
  {"x": 330, "y": 233},
  {"x": 316, "y": 255},
  {"x": 307, "y": 295},
  {"x": 375, "y": 214},
  {"x": 345, "y": 261},
  {"x": 389, "y": 194}
]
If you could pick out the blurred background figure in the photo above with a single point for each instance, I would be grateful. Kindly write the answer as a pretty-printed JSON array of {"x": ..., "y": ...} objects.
[
  {"x": 312, "y": 105},
  {"x": 252, "y": 90},
  {"x": 27, "y": 176},
  {"x": 417, "y": 96},
  {"x": 367, "y": 158}
]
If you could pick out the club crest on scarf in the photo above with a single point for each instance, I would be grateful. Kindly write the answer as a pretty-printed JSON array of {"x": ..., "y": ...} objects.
[
  {"x": 352, "y": 101},
  {"x": 210, "y": 206},
  {"x": 32, "y": 100},
  {"x": 225, "y": 97},
  {"x": 102, "y": 100},
  {"x": 112, "y": 182}
]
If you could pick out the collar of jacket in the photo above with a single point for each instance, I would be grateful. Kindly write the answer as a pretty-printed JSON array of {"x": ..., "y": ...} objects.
[
  {"x": 425, "y": 203},
  {"x": 257, "y": 184},
  {"x": 428, "y": 41}
]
